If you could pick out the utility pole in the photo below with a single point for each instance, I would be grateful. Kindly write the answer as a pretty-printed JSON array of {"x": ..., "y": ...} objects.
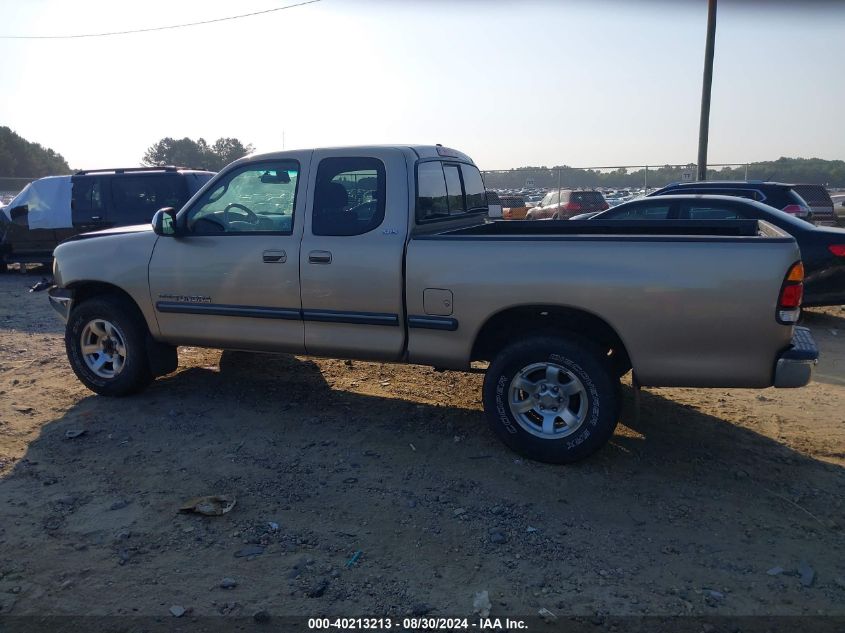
[{"x": 704, "y": 126}]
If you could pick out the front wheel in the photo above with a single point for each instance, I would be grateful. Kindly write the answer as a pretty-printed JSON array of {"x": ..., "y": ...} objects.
[
  {"x": 105, "y": 343},
  {"x": 551, "y": 398}
]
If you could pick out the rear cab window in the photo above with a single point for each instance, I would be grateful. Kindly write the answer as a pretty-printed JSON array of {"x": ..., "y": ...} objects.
[{"x": 448, "y": 189}]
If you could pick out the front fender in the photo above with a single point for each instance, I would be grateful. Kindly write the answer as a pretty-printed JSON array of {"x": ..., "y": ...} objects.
[{"x": 102, "y": 263}]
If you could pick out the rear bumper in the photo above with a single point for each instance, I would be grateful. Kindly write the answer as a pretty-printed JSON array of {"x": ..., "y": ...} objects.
[
  {"x": 794, "y": 366},
  {"x": 61, "y": 299}
]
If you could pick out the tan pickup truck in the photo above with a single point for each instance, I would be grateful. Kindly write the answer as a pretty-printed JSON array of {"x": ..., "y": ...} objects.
[{"x": 385, "y": 254}]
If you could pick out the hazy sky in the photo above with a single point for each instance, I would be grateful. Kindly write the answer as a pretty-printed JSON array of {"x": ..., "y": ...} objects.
[{"x": 511, "y": 83}]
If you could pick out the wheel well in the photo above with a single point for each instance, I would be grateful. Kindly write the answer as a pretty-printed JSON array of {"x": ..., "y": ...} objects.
[
  {"x": 84, "y": 290},
  {"x": 507, "y": 326}
]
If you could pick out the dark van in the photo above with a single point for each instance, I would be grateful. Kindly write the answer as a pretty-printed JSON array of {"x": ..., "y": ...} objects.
[{"x": 52, "y": 209}]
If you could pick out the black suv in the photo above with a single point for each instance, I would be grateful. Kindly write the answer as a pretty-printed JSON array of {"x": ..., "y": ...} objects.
[
  {"x": 53, "y": 209},
  {"x": 775, "y": 194}
]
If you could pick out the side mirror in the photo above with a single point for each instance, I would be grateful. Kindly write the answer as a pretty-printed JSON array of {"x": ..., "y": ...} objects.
[
  {"x": 164, "y": 222},
  {"x": 19, "y": 214}
]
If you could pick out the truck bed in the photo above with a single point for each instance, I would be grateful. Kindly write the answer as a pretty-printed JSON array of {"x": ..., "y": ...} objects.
[{"x": 694, "y": 303}]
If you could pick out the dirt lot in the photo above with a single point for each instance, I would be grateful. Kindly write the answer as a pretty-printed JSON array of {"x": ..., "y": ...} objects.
[{"x": 684, "y": 512}]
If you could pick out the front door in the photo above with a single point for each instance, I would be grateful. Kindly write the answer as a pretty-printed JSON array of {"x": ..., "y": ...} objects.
[
  {"x": 231, "y": 279},
  {"x": 352, "y": 254}
]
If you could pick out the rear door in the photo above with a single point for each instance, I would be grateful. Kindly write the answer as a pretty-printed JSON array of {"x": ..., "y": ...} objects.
[
  {"x": 88, "y": 206},
  {"x": 352, "y": 254}
]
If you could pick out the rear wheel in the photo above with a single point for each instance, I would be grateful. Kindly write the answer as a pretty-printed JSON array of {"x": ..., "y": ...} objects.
[
  {"x": 551, "y": 398},
  {"x": 105, "y": 343}
]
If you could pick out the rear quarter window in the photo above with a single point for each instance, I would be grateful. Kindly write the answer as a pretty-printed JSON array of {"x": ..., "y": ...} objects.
[
  {"x": 476, "y": 198},
  {"x": 447, "y": 189}
]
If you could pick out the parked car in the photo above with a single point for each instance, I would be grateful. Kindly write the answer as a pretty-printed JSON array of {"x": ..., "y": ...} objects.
[
  {"x": 513, "y": 207},
  {"x": 775, "y": 194},
  {"x": 822, "y": 248},
  {"x": 55, "y": 208},
  {"x": 563, "y": 204},
  {"x": 821, "y": 205},
  {"x": 269, "y": 256}
]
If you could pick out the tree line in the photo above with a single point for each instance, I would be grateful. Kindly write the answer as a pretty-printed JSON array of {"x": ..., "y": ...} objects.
[
  {"x": 25, "y": 159},
  {"x": 19, "y": 157},
  {"x": 22, "y": 158},
  {"x": 792, "y": 170},
  {"x": 186, "y": 152}
]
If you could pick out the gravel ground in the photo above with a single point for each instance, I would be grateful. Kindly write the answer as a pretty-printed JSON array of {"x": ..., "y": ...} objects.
[{"x": 375, "y": 489}]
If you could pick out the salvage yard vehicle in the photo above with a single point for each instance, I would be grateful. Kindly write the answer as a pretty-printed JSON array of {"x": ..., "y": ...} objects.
[
  {"x": 822, "y": 248},
  {"x": 775, "y": 194},
  {"x": 383, "y": 254},
  {"x": 563, "y": 204},
  {"x": 52, "y": 209}
]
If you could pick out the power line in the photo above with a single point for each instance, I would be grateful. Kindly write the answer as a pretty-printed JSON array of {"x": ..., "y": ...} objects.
[{"x": 155, "y": 28}]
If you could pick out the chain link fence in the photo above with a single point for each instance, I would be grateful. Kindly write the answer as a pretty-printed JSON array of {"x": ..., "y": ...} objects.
[
  {"x": 630, "y": 177},
  {"x": 643, "y": 178}
]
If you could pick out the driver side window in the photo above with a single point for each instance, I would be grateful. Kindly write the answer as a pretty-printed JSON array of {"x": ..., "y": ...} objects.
[{"x": 255, "y": 198}]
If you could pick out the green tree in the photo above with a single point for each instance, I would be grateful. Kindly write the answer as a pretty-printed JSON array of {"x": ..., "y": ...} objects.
[
  {"x": 22, "y": 158},
  {"x": 199, "y": 154}
]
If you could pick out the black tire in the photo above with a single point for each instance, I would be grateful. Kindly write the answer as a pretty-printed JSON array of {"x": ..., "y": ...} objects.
[
  {"x": 124, "y": 316},
  {"x": 582, "y": 360}
]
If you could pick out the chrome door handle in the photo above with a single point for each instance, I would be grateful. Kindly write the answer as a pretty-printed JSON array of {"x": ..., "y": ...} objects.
[
  {"x": 275, "y": 257},
  {"x": 320, "y": 257}
]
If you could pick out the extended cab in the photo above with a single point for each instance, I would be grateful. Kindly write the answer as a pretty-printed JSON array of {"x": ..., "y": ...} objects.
[{"x": 383, "y": 253}]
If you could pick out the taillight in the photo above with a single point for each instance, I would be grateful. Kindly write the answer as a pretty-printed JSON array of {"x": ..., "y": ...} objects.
[
  {"x": 791, "y": 293},
  {"x": 604, "y": 206},
  {"x": 795, "y": 209},
  {"x": 837, "y": 249},
  {"x": 572, "y": 206}
]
